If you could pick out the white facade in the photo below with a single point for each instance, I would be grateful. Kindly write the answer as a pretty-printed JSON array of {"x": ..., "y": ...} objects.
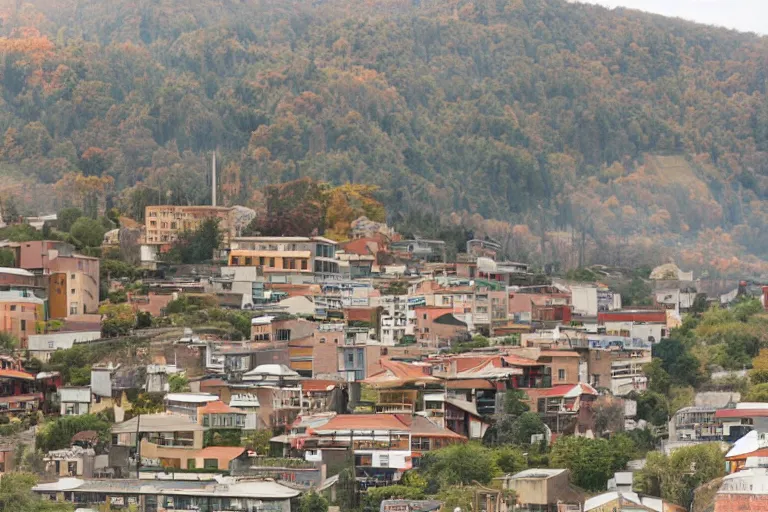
[
  {"x": 627, "y": 375},
  {"x": 42, "y": 346},
  {"x": 250, "y": 404},
  {"x": 101, "y": 380},
  {"x": 675, "y": 298},
  {"x": 75, "y": 400},
  {"x": 584, "y": 300},
  {"x": 643, "y": 331},
  {"x": 394, "y": 318}
]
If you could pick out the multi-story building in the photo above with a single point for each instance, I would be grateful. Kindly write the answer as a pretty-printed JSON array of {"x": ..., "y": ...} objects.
[
  {"x": 438, "y": 326},
  {"x": 746, "y": 489},
  {"x": 431, "y": 251},
  {"x": 383, "y": 445},
  {"x": 393, "y": 317},
  {"x": 271, "y": 328},
  {"x": 166, "y": 439},
  {"x": 539, "y": 490},
  {"x": 72, "y": 279},
  {"x": 18, "y": 389},
  {"x": 627, "y": 371},
  {"x": 20, "y": 310},
  {"x": 165, "y": 222},
  {"x": 74, "y": 400},
  {"x": 283, "y": 256},
  {"x": 188, "y": 404},
  {"x": 224, "y": 493}
]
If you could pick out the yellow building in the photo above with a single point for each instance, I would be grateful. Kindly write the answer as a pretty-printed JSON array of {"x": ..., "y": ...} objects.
[
  {"x": 286, "y": 255},
  {"x": 163, "y": 223}
]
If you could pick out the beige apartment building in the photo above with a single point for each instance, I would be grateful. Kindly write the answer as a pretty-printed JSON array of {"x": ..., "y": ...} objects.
[{"x": 165, "y": 222}]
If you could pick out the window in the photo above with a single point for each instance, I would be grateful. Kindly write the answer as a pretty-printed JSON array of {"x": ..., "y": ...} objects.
[
  {"x": 363, "y": 460},
  {"x": 72, "y": 291},
  {"x": 597, "y": 355},
  {"x": 13, "y": 307},
  {"x": 561, "y": 374},
  {"x": 350, "y": 358},
  {"x": 72, "y": 468},
  {"x": 322, "y": 340},
  {"x": 73, "y": 308},
  {"x": 50, "y": 344},
  {"x": 446, "y": 300},
  {"x": 283, "y": 334},
  {"x": 425, "y": 316},
  {"x": 248, "y": 261},
  {"x": 272, "y": 262},
  {"x": 72, "y": 277},
  {"x": 262, "y": 260},
  {"x": 303, "y": 264},
  {"x": 190, "y": 463},
  {"x": 23, "y": 325},
  {"x": 384, "y": 460},
  {"x": 595, "y": 380},
  {"x": 211, "y": 463},
  {"x": 235, "y": 260}
]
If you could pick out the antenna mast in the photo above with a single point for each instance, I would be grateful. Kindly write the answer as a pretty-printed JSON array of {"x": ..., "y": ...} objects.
[{"x": 213, "y": 180}]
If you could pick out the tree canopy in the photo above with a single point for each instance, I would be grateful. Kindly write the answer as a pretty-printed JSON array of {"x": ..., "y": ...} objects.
[{"x": 540, "y": 123}]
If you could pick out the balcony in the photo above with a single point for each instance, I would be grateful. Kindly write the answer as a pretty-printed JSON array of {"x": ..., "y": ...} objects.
[
  {"x": 535, "y": 382},
  {"x": 394, "y": 408}
]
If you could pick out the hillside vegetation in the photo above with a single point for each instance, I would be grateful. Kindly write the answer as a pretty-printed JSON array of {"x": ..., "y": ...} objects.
[{"x": 571, "y": 133}]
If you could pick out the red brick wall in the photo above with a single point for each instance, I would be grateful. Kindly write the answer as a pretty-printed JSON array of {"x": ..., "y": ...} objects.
[
  {"x": 632, "y": 316},
  {"x": 325, "y": 359},
  {"x": 741, "y": 503}
]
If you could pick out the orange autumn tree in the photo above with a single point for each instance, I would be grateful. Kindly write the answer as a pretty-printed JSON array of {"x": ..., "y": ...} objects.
[{"x": 348, "y": 202}]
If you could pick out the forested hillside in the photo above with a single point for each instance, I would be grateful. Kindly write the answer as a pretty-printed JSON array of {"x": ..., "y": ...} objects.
[{"x": 572, "y": 133}]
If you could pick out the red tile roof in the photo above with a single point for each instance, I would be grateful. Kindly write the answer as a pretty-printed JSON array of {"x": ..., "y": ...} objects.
[
  {"x": 421, "y": 426},
  {"x": 470, "y": 384},
  {"x": 218, "y": 407},
  {"x": 221, "y": 452},
  {"x": 520, "y": 361},
  {"x": 359, "y": 314},
  {"x": 363, "y": 246},
  {"x": 741, "y": 413},
  {"x": 762, "y": 452},
  {"x": 16, "y": 374},
  {"x": 367, "y": 422},
  {"x": 396, "y": 373},
  {"x": 566, "y": 389},
  {"x": 318, "y": 385}
]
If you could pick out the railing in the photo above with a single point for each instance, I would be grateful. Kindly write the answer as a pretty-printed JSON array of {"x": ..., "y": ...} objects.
[
  {"x": 394, "y": 408},
  {"x": 536, "y": 382}
]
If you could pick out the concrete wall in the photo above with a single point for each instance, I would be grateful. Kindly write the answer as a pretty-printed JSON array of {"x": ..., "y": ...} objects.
[
  {"x": 19, "y": 315},
  {"x": 83, "y": 278},
  {"x": 571, "y": 367},
  {"x": 155, "y": 452},
  {"x": 57, "y": 296},
  {"x": 101, "y": 382},
  {"x": 42, "y": 345},
  {"x": 584, "y": 300}
]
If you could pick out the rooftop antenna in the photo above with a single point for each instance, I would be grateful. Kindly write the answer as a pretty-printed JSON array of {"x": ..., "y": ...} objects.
[{"x": 213, "y": 180}]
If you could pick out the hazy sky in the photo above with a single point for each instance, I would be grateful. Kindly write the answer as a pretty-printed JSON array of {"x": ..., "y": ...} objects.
[{"x": 744, "y": 15}]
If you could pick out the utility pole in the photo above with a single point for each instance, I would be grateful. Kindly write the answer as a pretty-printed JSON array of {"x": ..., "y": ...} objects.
[{"x": 138, "y": 445}]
